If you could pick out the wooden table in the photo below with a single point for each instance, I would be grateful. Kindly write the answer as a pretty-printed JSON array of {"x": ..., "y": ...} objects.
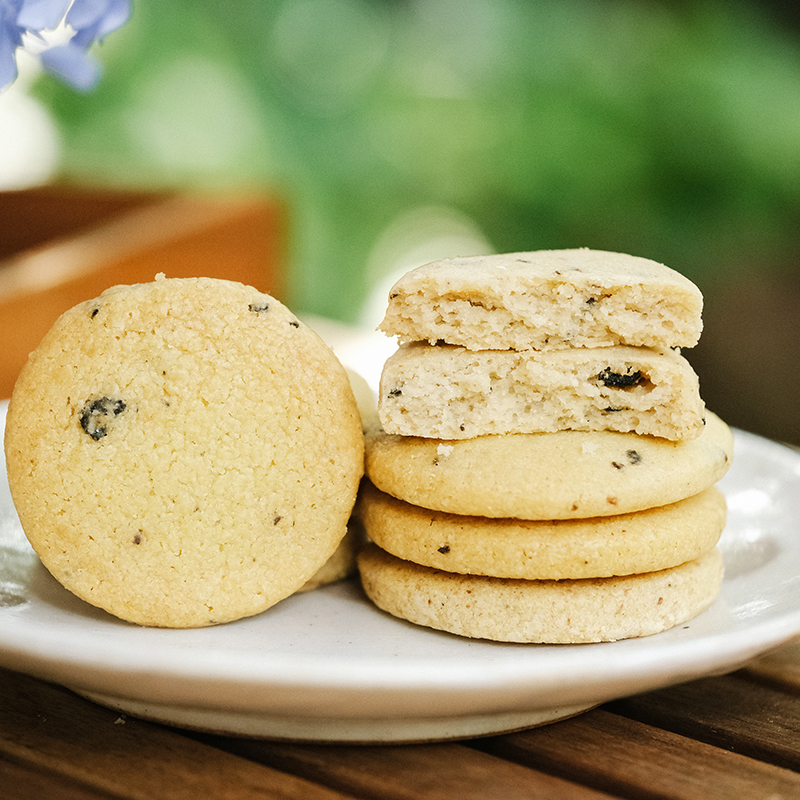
[{"x": 729, "y": 737}]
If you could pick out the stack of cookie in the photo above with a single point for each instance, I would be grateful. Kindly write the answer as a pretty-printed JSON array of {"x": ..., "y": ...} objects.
[{"x": 543, "y": 467}]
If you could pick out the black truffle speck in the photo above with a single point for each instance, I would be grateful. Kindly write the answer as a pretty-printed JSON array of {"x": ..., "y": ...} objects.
[
  {"x": 619, "y": 380},
  {"x": 97, "y": 414}
]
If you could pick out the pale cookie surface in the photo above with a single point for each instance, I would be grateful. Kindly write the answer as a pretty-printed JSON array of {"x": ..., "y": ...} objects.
[
  {"x": 553, "y": 612},
  {"x": 449, "y": 392},
  {"x": 545, "y": 299},
  {"x": 564, "y": 475},
  {"x": 183, "y": 452},
  {"x": 342, "y": 564},
  {"x": 624, "y": 544}
]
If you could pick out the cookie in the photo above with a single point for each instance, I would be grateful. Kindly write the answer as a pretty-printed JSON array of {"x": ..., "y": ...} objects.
[
  {"x": 564, "y": 475},
  {"x": 552, "y": 612},
  {"x": 184, "y": 452},
  {"x": 365, "y": 399},
  {"x": 545, "y": 299},
  {"x": 342, "y": 564},
  {"x": 624, "y": 544},
  {"x": 449, "y": 392}
]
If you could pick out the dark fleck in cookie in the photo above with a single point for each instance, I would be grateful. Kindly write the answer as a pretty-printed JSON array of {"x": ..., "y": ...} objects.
[{"x": 183, "y": 452}]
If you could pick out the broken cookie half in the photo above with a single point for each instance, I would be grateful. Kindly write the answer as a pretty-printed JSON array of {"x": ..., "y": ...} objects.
[{"x": 449, "y": 392}]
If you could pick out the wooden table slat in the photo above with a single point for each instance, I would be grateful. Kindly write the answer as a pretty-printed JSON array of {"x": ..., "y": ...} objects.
[
  {"x": 51, "y": 730},
  {"x": 634, "y": 760},
  {"x": 439, "y": 771},
  {"x": 19, "y": 781},
  {"x": 731, "y": 711}
]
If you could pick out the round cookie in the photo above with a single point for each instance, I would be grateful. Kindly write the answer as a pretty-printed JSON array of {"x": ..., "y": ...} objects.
[
  {"x": 552, "y": 612},
  {"x": 624, "y": 544},
  {"x": 342, "y": 564},
  {"x": 184, "y": 452},
  {"x": 563, "y": 475}
]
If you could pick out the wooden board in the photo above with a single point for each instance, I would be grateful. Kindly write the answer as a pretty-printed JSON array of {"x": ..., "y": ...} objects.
[{"x": 122, "y": 238}]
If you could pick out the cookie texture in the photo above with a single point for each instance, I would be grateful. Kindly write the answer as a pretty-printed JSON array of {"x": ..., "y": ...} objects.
[
  {"x": 184, "y": 452},
  {"x": 342, "y": 564},
  {"x": 624, "y": 544},
  {"x": 545, "y": 299},
  {"x": 450, "y": 392},
  {"x": 564, "y": 475},
  {"x": 552, "y": 612}
]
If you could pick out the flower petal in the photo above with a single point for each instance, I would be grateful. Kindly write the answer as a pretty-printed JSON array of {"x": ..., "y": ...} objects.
[
  {"x": 72, "y": 64},
  {"x": 101, "y": 17},
  {"x": 8, "y": 63},
  {"x": 40, "y": 15}
]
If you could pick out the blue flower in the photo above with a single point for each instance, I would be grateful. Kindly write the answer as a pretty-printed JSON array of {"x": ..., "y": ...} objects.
[
  {"x": 10, "y": 39},
  {"x": 91, "y": 21}
]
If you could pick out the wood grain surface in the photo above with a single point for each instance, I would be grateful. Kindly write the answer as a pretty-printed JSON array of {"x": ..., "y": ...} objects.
[
  {"x": 730, "y": 737},
  {"x": 73, "y": 244}
]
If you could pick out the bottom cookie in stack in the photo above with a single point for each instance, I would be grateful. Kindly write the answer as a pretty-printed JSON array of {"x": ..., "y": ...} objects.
[{"x": 564, "y": 537}]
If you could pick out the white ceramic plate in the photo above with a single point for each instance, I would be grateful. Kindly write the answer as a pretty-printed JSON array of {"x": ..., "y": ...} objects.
[{"x": 328, "y": 666}]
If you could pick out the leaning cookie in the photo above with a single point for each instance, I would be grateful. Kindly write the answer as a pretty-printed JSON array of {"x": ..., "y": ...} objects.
[
  {"x": 449, "y": 392},
  {"x": 601, "y": 547},
  {"x": 342, "y": 564},
  {"x": 184, "y": 452},
  {"x": 551, "y": 612},
  {"x": 546, "y": 476},
  {"x": 545, "y": 299}
]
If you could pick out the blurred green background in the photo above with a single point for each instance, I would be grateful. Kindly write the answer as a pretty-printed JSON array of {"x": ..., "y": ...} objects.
[{"x": 401, "y": 131}]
